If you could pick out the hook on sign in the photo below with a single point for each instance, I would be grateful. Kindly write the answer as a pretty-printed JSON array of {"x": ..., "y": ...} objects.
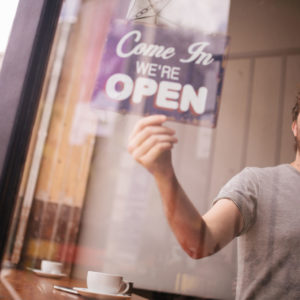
[{"x": 140, "y": 9}]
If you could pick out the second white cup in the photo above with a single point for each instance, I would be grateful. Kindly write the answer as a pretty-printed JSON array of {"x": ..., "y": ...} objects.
[
  {"x": 106, "y": 283},
  {"x": 53, "y": 267}
]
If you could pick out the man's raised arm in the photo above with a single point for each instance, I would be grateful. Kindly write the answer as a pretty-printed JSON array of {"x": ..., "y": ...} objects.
[{"x": 150, "y": 144}]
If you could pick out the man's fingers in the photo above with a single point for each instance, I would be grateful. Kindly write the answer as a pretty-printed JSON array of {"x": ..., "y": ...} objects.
[
  {"x": 147, "y": 133},
  {"x": 151, "y": 142},
  {"x": 148, "y": 121}
]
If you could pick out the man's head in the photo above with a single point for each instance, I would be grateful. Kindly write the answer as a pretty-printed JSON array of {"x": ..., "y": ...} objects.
[{"x": 296, "y": 123}]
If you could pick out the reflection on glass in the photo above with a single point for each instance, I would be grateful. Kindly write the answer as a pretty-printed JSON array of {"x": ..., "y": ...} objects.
[{"x": 84, "y": 201}]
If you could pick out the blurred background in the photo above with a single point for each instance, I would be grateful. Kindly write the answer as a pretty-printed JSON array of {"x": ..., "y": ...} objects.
[
  {"x": 84, "y": 201},
  {"x": 7, "y": 14}
]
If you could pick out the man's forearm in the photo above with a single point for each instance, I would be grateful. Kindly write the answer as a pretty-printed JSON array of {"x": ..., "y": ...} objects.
[{"x": 187, "y": 224}]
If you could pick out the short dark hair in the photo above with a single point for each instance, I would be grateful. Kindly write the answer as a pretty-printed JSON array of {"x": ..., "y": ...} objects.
[
  {"x": 296, "y": 108},
  {"x": 295, "y": 114}
]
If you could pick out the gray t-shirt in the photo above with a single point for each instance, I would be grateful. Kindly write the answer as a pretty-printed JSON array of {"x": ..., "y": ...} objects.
[{"x": 269, "y": 244}]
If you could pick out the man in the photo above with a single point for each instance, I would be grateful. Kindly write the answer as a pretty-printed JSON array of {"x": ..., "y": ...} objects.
[{"x": 260, "y": 205}]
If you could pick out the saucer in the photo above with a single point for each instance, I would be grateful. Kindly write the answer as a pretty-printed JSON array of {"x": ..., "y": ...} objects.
[
  {"x": 49, "y": 275},
  {"x": 97, "y": 295}
]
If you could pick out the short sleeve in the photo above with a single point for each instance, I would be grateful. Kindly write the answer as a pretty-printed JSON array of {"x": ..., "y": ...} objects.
[{"x": 242, "y": 189}]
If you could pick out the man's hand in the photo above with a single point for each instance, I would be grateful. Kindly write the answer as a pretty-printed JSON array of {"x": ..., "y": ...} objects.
[{"x": 150, "y": 144}]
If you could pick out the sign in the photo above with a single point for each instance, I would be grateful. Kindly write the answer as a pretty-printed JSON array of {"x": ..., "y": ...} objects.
[{"x": 148, "y": 69}]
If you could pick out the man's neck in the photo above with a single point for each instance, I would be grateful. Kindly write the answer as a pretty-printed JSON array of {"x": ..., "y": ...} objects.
[{"x": 296, "y": 163}]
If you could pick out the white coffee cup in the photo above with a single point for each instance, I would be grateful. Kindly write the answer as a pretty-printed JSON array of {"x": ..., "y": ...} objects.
[
  {"x": 106, "y": 283},
  {"x": 52, "y": 267}
]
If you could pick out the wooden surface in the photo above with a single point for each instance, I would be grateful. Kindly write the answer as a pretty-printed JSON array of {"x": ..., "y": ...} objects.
[
  {"x": 70, "y": 138},
  {"x": 25, "y": 285},
  {"x": 65, "y": 162}
]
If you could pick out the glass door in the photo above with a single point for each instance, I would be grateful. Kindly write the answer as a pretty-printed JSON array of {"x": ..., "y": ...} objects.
[{"x": 84, "y": 201}]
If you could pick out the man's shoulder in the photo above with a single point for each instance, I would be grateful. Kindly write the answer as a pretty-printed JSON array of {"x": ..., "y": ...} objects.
[
  {"x": 256, "y": 176},
  {"x": 268, "y": 171}
]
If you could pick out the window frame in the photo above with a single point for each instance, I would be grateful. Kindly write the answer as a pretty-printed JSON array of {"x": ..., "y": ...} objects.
[{"x": 21, "y": 80}]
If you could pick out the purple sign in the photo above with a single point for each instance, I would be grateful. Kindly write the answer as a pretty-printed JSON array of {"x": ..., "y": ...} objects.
[{"x": 157, "y": 70}]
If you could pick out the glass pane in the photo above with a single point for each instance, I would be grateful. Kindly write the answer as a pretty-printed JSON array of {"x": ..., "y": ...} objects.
[{"x": 86, "y": 202}]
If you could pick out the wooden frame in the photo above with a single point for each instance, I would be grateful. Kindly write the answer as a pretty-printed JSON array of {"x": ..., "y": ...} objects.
[{"x": 21, "y": 80}]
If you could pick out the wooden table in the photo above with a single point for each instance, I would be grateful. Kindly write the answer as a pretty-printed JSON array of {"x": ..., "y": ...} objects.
[{"x": 25, "y": 285}]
